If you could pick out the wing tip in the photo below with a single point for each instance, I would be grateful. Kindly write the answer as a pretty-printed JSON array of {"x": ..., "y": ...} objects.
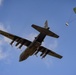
[
  {"x": 60, "y": 57},
  {"x": 58, "y": 36}
]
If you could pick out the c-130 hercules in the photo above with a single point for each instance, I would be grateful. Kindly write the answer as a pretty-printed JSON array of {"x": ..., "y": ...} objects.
[{"x": 35, "y": 46}]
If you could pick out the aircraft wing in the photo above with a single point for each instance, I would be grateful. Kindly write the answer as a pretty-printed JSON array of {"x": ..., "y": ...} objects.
[
  {"x": 15, "y": 38},
  {"x": 49, "y": 52}
]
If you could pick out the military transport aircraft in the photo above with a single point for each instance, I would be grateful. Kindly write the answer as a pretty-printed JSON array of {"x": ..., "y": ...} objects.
[{"x": 35, "y": 46}]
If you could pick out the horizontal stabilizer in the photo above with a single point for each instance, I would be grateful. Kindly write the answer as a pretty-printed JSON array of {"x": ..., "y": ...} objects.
[{"x": 45, "y": 31}]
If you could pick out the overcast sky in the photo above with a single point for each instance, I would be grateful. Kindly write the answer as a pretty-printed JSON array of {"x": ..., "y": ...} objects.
[{"x": 17, "y": 16}]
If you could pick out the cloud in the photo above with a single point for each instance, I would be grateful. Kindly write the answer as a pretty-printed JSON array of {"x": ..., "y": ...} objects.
[
  {"x": 3, "y": 55},
  {"x": 54, "y": 44},
  {"x": 2, "y": 27},
  {"x": 48, "y": 62},
  {"x": 31, "y": 36},
  {"x": 1, "y": 2}
]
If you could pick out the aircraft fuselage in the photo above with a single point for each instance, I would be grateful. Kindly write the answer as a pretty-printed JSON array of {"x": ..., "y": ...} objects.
[{"x": 30, "y": 50}]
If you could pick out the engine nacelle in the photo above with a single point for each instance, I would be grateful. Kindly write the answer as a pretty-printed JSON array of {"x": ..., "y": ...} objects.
[
  {"x": 43, "y": 52},
  {"x": 36, "y": 51},
  {"x": 12, "y": 42},
  {"x": 18, "y": 42},
  {"x": 20, "y": 46},
  {"x": 44, "y": 55},
  {"x": 15, "y": 38}
]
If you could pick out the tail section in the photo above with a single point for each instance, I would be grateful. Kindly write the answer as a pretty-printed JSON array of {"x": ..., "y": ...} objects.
[
  {"x": 46, "y": 25},
  {"x": 45, "y": 30}
]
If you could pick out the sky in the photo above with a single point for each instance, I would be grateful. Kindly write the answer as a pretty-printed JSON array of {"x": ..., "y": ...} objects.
[{"x": 17, "y": 16}]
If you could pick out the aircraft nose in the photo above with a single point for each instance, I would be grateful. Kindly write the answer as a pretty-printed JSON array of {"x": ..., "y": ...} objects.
[{"x": 21, "y": 58}]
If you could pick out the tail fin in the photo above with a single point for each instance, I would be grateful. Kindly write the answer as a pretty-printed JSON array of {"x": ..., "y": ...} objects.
[
  {"x": 46, "y": 25},
  {"x": 45, "y": 30}
]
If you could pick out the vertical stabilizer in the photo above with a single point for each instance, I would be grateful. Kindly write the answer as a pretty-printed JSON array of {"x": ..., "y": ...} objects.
[{"x": 46, "y": 25}]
